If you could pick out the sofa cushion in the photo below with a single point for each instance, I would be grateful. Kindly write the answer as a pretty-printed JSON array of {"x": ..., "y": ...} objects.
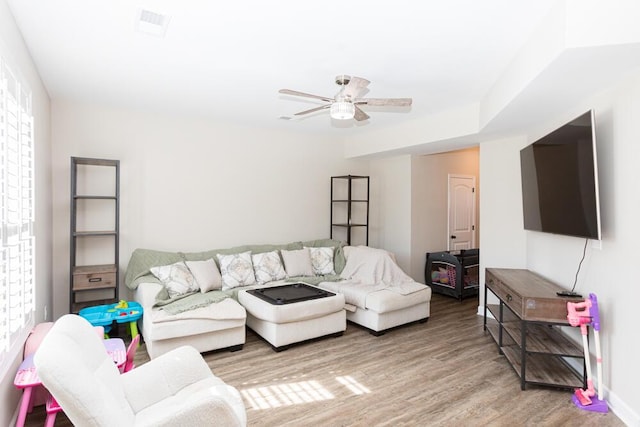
[
  {"x": 339, "y": 259},
  {"x": 176, "y": 278},
  {"x": 322, "y": 260},
  {"x": 254, "y": 249},
  {"x": 298, "y": 262},
  {"x": 236, "y": 270},
  {"x": 384, "y": 301},
  {"x": 377, "y": 297},
  {"x": 268, "y": 267},
  {"x": 206, "y": 274},
  {"x": 160, "y": 325}
]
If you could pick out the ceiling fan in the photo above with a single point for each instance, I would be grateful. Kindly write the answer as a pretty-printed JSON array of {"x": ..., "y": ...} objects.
[{"x": 346, "y": 104}]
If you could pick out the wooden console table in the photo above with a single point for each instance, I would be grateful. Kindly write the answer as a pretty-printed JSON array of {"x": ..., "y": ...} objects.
[{"x": 527, "y": 328}]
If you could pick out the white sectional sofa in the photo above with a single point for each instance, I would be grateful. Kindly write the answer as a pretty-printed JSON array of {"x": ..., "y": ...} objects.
[{"x": 371, "y": 290}]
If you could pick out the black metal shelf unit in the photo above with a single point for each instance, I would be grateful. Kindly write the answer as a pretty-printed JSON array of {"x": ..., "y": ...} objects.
[{"x": 350, "y": 206}]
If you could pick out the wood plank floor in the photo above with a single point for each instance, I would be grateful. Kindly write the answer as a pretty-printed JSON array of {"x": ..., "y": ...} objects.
[{"x": 446, "y": 372}]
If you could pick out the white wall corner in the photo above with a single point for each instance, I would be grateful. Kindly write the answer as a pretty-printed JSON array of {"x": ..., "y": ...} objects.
[
  {"x": 544, "y": 45},
  {"x": 424, "y": 134}
]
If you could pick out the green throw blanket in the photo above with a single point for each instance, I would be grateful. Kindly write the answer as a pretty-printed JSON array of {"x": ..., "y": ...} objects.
[
  {"x": 315, "y": 280},
  {"x": 142, "y": 260},
  {"x": 190, "y": 301}
]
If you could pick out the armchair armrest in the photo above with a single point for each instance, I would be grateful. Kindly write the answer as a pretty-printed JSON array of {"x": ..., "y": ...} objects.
[
  {"x": 146, "y": 294},
  {"x": 164, "y": 376},
  {"x": 178, "y": 388},
  {"x": 200, "y": 409}
]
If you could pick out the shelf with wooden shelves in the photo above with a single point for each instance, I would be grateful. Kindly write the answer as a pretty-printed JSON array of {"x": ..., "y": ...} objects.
[
  {"x": 543, "y": 371},
  {"x": 526, "y": 325},
  {"x": 94, "y": 232}
]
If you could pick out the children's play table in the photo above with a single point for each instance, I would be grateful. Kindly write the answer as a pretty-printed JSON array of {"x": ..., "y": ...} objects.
[{"x": 121, "y": 312}]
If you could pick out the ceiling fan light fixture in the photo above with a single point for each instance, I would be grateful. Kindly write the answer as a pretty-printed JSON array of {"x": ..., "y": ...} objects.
[{"x": 342, "y": 110}]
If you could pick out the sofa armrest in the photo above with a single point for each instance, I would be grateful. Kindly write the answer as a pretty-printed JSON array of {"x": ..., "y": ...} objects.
[{"x": 146, "y": 294}]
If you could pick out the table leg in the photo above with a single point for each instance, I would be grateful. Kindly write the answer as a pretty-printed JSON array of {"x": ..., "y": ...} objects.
[
  {"x": 25, "y": 404},
  {"x": 134, "y": 330}
]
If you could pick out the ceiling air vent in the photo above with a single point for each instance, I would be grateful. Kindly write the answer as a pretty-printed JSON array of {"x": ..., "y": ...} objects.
[{"x": 152, "y": 23}]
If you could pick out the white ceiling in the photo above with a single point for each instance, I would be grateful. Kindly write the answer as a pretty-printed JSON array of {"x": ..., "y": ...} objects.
[{"x": 228, "y": 59}]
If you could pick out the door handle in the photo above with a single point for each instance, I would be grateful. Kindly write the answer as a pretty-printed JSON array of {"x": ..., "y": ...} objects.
[{"x": 453, "y": 237}]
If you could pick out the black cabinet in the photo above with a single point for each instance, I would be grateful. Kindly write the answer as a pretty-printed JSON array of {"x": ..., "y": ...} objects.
[
  {"x": 94, "y": 232},
  {"x": 350, "y": 209}
]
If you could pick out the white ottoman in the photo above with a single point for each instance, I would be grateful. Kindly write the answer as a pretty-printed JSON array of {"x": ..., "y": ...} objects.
[{"x": 284, "y": 324}]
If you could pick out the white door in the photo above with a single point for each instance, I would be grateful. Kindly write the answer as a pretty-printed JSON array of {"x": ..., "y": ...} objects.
[{"x": 462, "y": 212}]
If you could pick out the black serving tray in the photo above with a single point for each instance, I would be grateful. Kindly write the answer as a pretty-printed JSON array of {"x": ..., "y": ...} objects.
[{"x": 289, "y": 294}]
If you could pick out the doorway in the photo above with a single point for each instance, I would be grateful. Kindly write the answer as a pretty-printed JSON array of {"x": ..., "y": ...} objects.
[{"x": 461, "y": 212}]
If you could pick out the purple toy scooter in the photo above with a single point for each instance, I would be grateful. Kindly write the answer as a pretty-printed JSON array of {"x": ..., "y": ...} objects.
[{"x": 584, "y": 314}]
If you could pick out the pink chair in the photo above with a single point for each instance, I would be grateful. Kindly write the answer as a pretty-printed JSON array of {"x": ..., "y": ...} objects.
[
  {"x": 131, "y": 352},
  {"x": 52, "y": 406}
]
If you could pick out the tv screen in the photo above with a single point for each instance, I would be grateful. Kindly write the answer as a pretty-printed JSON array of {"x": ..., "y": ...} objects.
[{"x": 560, "y": 182}]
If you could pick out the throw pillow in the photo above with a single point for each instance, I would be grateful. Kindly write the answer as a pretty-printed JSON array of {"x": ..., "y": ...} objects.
[
  {"x": 236, "y": 270},
  {"x": 297, "y": 262},
  {"x": 206, "y": 274},
  {"x": 322, "y": 260},
  {"x": 268, "y": 267},
  {"x": 176, "y": 278}
]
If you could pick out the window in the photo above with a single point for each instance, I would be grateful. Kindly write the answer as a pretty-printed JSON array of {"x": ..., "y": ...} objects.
[{"x": 17, "y": 241}]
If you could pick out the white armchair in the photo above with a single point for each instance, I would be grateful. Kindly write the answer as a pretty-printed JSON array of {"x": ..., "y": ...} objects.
[{"x": 177, "y": 388}]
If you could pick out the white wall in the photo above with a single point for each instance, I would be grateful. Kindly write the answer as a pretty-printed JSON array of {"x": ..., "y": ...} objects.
[
  {"x": 608, "y": 272},
  {"x": 190, "y": 184},
  {"x": 429, "y": 201},
  {"x": 14, "y": 51},
  {"x": 391, "y": 207},
  {"x": 503, "y": 239}
]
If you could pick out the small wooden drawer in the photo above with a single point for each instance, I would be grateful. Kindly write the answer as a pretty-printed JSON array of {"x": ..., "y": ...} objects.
[
  {"x": 502, "y": 291},
  {"x": 94, "y": 277}
]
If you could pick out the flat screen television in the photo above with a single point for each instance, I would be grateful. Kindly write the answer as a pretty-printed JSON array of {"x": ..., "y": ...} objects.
[{"x": 560, "y": 181}]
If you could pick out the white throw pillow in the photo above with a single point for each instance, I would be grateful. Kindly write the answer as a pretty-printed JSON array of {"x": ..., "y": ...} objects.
[
  {"x": 206, "y": 274},
  {"x": 322, "y": 260},
  {"x": 236, "y": 270},
  {"x": 297, "y": 262},
  {"x": 268, "y": 267},
  {"x": 176, "y": 278}
]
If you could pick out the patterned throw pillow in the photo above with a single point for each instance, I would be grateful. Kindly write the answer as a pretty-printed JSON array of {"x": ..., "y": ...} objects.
[
  {"x": 176, "y": 278},
  {"x": 268, "y": 267},
  {"x": 322, "y": 261},
  {"x": 206, "y": 274},
  {"x": 297, "y": 262},
  {"x": 236, "y": 270}
]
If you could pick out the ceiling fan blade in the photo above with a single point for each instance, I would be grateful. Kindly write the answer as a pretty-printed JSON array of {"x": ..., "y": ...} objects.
[
  {"x": 312, "y": 110},
  {"x": 394, "y": 102},
  {"x": 355, "y": 86},
  {"x": 359, "y": 114},
  {"x": 306, "y": 95}
]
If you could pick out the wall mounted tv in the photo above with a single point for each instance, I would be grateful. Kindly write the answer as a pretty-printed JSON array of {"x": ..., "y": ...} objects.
[{"x": 560, "y": 181}]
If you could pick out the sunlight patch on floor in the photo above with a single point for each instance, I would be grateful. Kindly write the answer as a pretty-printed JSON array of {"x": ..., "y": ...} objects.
[
  {"x": 296, "y": 393},
  {"x": 353, "y": 385},
  {"x": 277, "y": 395}
]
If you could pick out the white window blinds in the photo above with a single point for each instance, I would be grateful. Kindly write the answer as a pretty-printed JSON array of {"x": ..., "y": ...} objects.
[{"x": 17, "y": 241}]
